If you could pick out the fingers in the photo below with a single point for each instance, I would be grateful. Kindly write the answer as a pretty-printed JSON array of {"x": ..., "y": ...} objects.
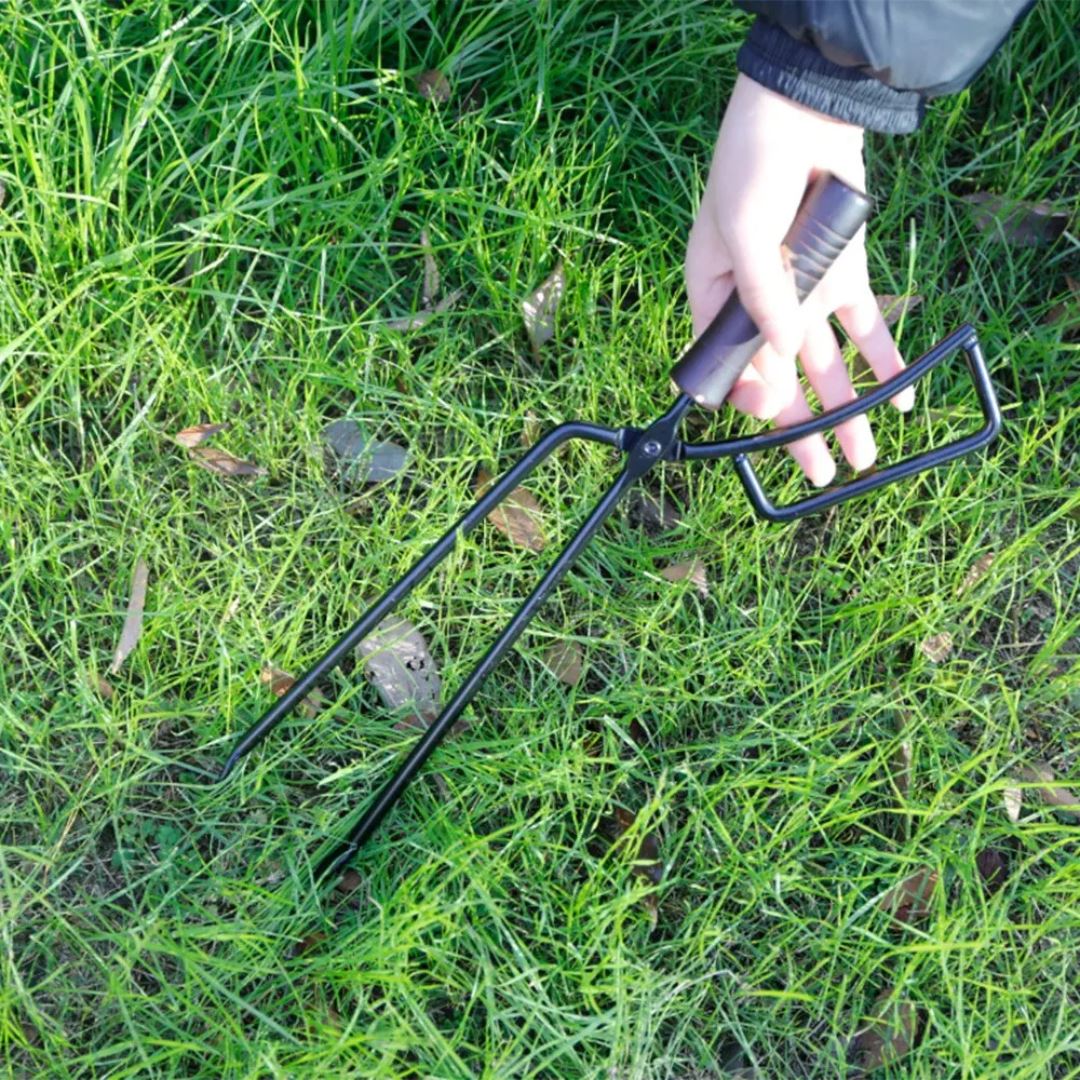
[
  {"x": 828, "y": 375},
  {"x": 767, "y": 290},
  {"x": 864, "y": 325},
  {"x": 812, "y": 453}
]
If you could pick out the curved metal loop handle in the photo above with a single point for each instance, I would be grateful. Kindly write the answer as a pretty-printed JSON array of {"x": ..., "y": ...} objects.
[{"x": 964, "y": 338}]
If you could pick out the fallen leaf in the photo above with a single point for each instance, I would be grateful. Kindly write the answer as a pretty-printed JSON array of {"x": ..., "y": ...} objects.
[
  {"x": 638, "y": 733},
  {"x": 308, "y": 943},
  {"x": 692, "y": 570},
  {"x": 350, "y": 881},
  {"x": 658, "y": 512},
  {"x": 895, "y": 308},
  {"x": 564, "y": 661},
  {"x": 1053, "y": 794},
  {"x": 975, "y": 574},
  {"x": 1066, "y": 316},
  {"x": 104, "y": 688},
  {"x": 1013, "y": 798},
  {"x": 433, "y": 85},
  {"x": 422, "y": 318},
  {"x": 992, "y": 867},
  {"x": 222, "y": 462},
  {"x": 937, "y": 647},
  {"x": 431, "y": 271},
  {"x": 539, "y": 308},
  {"x": 191, "y": 437},
  {"x": 647, "y": 862},
  {"x": 518, "y": 516},
  {"x": 366, "y": 461},
  {"x": 281, "y": 682},
  {"x": 1017, "y": 221},
  {"x": 396, "y": 659},
  {"x": 132, "y": 631},
  {"x": 888, "y": 1035},
  {"x": 910, "y": 900}
]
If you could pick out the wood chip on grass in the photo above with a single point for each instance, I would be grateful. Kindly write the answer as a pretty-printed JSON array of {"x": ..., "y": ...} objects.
[{"x": 133, "y": 623}]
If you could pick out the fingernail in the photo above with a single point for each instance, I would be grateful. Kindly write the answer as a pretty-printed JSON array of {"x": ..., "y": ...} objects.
[{"x": 905, "y": 400}]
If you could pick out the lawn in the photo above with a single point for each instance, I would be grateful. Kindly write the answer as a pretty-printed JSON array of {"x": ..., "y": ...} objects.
[{"x": 809, "y": 789}]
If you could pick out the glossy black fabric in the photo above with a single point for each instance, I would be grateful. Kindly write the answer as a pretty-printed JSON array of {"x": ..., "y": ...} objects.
[{"x": 873, "y": 63}]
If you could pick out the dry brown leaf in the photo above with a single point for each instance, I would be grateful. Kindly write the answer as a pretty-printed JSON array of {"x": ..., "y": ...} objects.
[
  {"x": 104, "y": 688},
  {"x": 281, "y": 682},
  {"x": 132, "y": 631},
  {"x": 350, "y": 881},
  {"x": 308, "y": 943},
  {"x": 975, "y": 574},
  {"x": 937, "y": 647},
  {"x": 396, "y": 659},
  {"x": 564, "y": 660},
  {"x": 692, "y": 570},
  {"x": 517, "y": 517},
  {"x": 431, "y": 271},
  {"x": 1017, "y": 221},
  {"x": 647, "y": 862},
  {"x": 910, "y": 900},
  {"x": 888, "y": 1035},
  {"x": 540, "y": 306},
  {"x": 223, "y": 463},
  {"x": 993, "y": 868},
  {"x": 422, "y": 318},
  {"x": 657, "y": 512},
  {"x": 894, "y": 308},
  {"x": 433, "y": 85},
  {"x": 1053, "y": 794},
  {"x": 1014, "y": 800},
  {"x": 194, "y": 436}
]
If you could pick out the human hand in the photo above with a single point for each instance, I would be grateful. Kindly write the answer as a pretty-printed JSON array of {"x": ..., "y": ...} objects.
[{"x": 768, "y": 151}]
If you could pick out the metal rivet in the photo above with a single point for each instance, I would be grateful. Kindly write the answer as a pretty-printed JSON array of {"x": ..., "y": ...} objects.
[{"x": 651, "y": 448}]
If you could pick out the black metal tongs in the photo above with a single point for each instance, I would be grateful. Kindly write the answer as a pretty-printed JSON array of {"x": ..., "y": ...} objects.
[{"x": 830, "y": 215}]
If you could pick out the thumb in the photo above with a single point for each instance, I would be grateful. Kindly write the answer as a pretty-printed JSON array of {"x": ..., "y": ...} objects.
[{"x": 767, "y": 291}]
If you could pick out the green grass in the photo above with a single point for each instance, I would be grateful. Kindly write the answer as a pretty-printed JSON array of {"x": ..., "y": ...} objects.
[{"x": 209, "y": 217}]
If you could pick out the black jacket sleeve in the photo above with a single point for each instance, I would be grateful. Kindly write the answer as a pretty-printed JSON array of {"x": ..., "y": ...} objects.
[{"x": 873, "y": 63}]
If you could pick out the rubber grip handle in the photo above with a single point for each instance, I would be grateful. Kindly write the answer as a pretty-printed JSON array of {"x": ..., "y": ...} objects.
[{"x": 831, "y": 213}]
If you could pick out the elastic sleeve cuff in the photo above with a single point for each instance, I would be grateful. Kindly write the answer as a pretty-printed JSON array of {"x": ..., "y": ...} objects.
[{"x": 778, "y": 61}]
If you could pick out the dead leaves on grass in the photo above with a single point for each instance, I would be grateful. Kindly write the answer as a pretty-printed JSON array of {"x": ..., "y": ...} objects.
[
  {"x": 133, "y": 623},
  {"x": 281, "y": 682},
  {"x": 1052, "y": 793},
  {"x": 211, "y": 458},
  {"x": 518, "y": 517},
  {"x": 909, "y": 901},
  {"x": 1018, "y": 222},
  {"x": 564, "y": 660},
  {"x": 364, "y": 460},
  {"x": 890, "y": 1031},
  {"x": 196, "y": 435},
  {"x": 539, "y": 307},
  {"x": 223, "y": 463},
  {"x": 399, "y": 664},
  {"x": 692, "y": 570},
  {"x": 937, "y": 647},
  {"x": 647, "y": 862}
]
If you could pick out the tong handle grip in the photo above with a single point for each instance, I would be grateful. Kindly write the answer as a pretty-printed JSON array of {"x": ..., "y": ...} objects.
[{"x": 831, "y": 213}]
